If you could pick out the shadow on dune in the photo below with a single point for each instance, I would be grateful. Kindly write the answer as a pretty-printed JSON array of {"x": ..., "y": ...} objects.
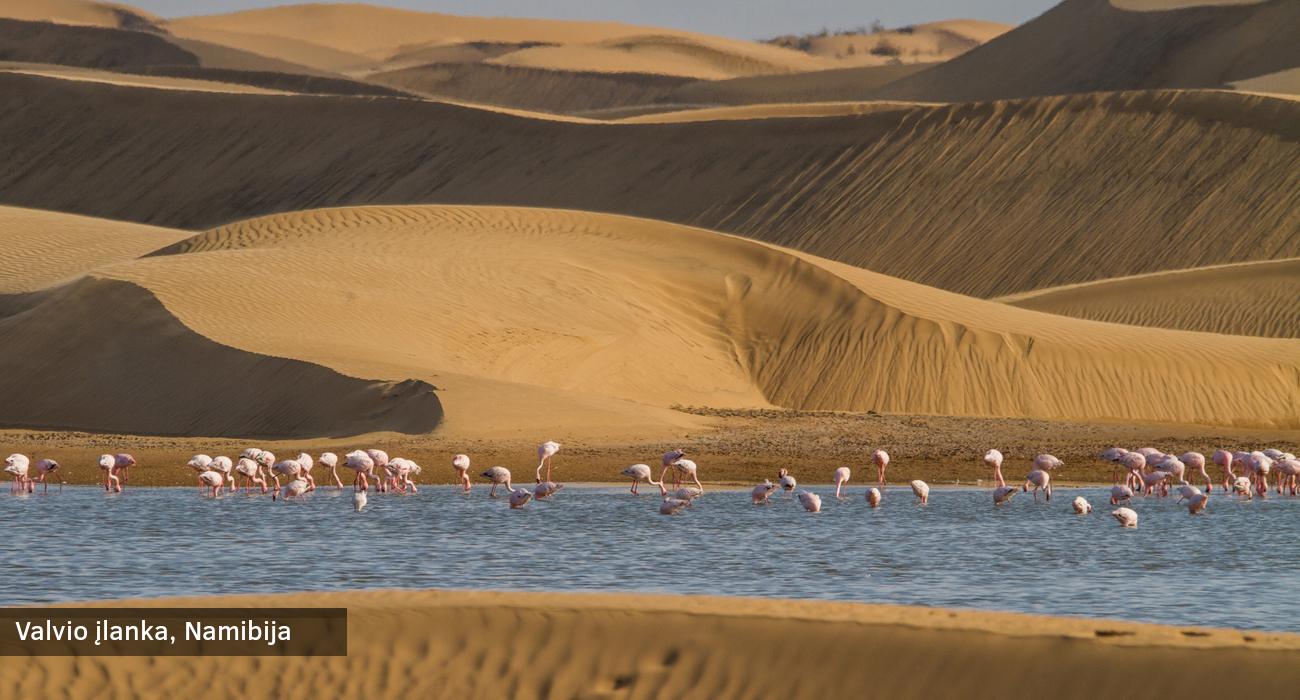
[{"x": 106, "y": 356}]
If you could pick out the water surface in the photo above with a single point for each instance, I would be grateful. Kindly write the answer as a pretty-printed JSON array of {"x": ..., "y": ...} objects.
[{"x": 1229, "y": 567}]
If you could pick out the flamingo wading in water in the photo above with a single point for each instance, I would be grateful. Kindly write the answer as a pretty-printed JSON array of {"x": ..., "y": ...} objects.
[{"x": 545, "y": 453}]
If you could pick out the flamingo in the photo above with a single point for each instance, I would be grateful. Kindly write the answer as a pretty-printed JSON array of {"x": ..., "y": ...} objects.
[
  {"x": 1152, "y": 480},
  {"x": 1081, "y": 505},
  {"x": 1003, "y": 494},
  {"x": 685, "y": 467},
  {"x": 1126, "y": 517},
  {"x": 1186, "y": 492},
  {"x": 358, "y": 500},
  {"x": 200, "y": 463},
  {"x": 363, "y": 464},
  {"x": 811, "y": 501},
  {"x": 252, "y": 473},
  {"x": 1047, "y": 462},
  {"x": 294, "y": 490},
  {"x": 1196, "y": 461},
  {"x": 406, "y": 468},
  {"x": 211, "y": 481},
  {"x": 289, "y": 468},
  {"x": 921, "y": 490},
  {"x": 305, "y": 461},
  {"x": 331, "y": 460},
  {"x": 873, "y": 497},
  {"x": 546, "y": 489},
  {"x": 111, "y": 482},
  {"x": 1241, "y": 487},
  {"x": 17, "y": 465},
  {"x": 225, "y": 466},
  {"x": 993, "y": 459},
  {"x": 545, "y": 452},
  {"x": 672, "y": 506},
  {"x": 498, "y": 476},
  {"x": 519, "y": 497},
  {"x": 881, "y": 459},
  {"x": 379, "y": 460},
  {"x": 637, "y": 473},
  {"x": 121, "y": 463},
  {"x": 787, "y": 481},
  {"x": 1134, "y": 462},
  {"x": 1039, "y": 479},
  {"x": 461, "y": 464},
  {"x": 760, "y": 493},
  {"x": 1223, "y": 458},
  {"x": 1262, "y": 465},
  {"x": 44, "y": 468},
  {"x": 1287, "y": 472},
  {"x": 841, "y": 478},
  {"x": 1197, "y": 502},
  {"x": 1121, "y": 493},
  {"x": 670, "y": 458},
  {"x": 1115, "y": 455}
]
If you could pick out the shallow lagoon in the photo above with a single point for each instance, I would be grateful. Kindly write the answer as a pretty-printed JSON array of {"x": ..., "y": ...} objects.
[{"x": 1229, "y": 567}]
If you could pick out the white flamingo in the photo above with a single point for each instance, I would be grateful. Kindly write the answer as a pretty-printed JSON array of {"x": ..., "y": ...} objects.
[
  {"x": 545, "y": 452},
  {"x": 637, "y": 473},
  {"x": 1120, "y": 493},
  {"x": 16, "y": 465},
  {"x": 787, "y": 481},
  {"x": 201, "y": 463},
  {"x": 881, "y": 460},
  {"x": 224, "y": 466},
  {"x": 811, "y": 501},
  {"x": 921, "y": 490},
  {"x": 305, "y": 461},
  {"x": 1039, "y": 479},
  {"x": 841, "y": 478},
  {"x": 993, "y": 459},
  {"x": 108, "y": 463},
  {"x": 331, "y": 460},
  {"x": 1081, "y": 505},
  {"x": 498, "y": 476},
  {"x": 406, "y": 469},
  {"x": 1126, "y": 517},
  {"x": 461, "y": 464},
  {"x": 873, "y": 497},
  {"x": 379, "y": 460},
  {"x": 685, "y": 467},
  {"x": 358, "y": 500},
  {"x": 212, "y": 481},
  {"x": 363, "y": 464},
  {"x": 251, "y": 472}
]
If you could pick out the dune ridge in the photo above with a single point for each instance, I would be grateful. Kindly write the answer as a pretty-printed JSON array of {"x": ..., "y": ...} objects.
[
  {"x": 985, "y": 199},
  {"x": 1242, "y": 299},
  {"x": 660, "y": 314},
  {"x": 1092, "y": 45},
  {"x": 105, "y": 356},
  {"x": 526, "y": 645}
]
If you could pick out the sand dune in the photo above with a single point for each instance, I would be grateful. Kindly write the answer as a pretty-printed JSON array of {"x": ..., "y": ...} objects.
[
  {"x": 92, "y": 47},
  {"x": 836, "y": 85},
  {"x": 99, "y": 14},
  {"x": 1091, "y": 45},
  {"x": 768, "y": 111},
  {"x": 44, "y": 249},
  {"x": 535, "y": 645},
  {"x": 921, "y": 43},
  {"x": 157, "y": 82},
  {"x": 985, "y": 199},
  {"x": 1244, "y": 299},
  {"x": 657, "y": 314},
  {"x": 106, "y": 356}
]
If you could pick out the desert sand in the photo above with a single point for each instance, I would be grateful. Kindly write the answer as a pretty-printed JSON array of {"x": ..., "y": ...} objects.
[
  {"x": 1243, "y": 299},
  {"x": 526, "y": 645},
  {"x": 921, "y": 43}
]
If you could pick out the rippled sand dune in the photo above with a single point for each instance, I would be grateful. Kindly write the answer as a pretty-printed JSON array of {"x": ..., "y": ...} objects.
[{"x": 529, "y": 645}]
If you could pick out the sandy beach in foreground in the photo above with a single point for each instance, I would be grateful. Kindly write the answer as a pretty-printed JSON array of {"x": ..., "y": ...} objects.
[{"x": 533, "y": 645}]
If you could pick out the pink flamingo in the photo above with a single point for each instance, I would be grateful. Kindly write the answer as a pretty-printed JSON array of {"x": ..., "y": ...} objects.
[
  {"x": 17, "y": 465},
  {"x": 546, "y": 489},
  {"x": 1115, "y": 455},
  {"x": 252, "y": 473},
  {"x": 811, "y": 502},
  {"x": 684, "y": 467},
  {"x": 1262, "y": 465},
  {"x": 841, "y": 478},
  {"x": 379, "y": 460},
  {"x": 545, "y": 452},
  {"x": 638, "y": 473},
  {"x": 993, "y": 459},
  {"x": 1153, "y": 480},
  {"x": 881, "y": 458},
  {"x": 225, "y": 467},
  {"x": 670, "y": 505},
  {"x": 1121, "y": 493},
  {"x": 461, "y": 464},
  {"x": 305, "y": 461},
  {"x": 1039, "y": 479},
  {"x": 1047, "y": 462},
  {"x": 406, "y": 469},
  {"x": 498, "y": 476},
  {"x": 363, "y": 464},
  {"x": 1134, "y": 462},
  {"x": 45, "y": 468},
  {"x": 211, "y": 482},
  {"x": 331, "y": 460},
  {"x": 1223, "y": 458},
  {"x": 1126, "y": 517},
  {"x": 1196, "y": 503},
  {"x": 519, "y": 497},
  {"x": 111, "y": 482},
  {"x": 121, "y": 463},
  {"x": 921, "y": 490},
  {"x": 760, "y": 493},
  {"x": 786, "y": 480},
  {"x": 200, "y": 463},
  {"x": 670, "y": 458},
  {"x": 1196, "y": 461},
  {"x": 1081, "y": 505},
  {"x": 873, "y": 497},
  {"x": 295, "y": 490},
  {"x": 1288, "y": 469},
  {"x": 1003, "y": 494}
]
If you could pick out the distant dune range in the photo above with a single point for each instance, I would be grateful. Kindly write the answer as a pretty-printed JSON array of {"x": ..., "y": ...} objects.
[
  {"x": 985, "y": 199},
  {"x": 1092, "y": 45},
  {"x": 593, "y": 311},
  {"x": 1261, "y": 298}
]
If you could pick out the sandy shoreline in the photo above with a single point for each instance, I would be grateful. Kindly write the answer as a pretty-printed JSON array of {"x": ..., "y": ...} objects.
[{"x": 525, "y": 645}]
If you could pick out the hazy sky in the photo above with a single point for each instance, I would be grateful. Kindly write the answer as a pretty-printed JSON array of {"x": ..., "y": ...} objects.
[{"x": 740, "y": 18}]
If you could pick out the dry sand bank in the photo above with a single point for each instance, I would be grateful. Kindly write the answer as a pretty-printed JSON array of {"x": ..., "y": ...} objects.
[
  {"x": 1081, "y": 184},
  {"x": 734, "y": 447},
  {"x": 1243, "y": 299},
  {"x": 1091, "y": 45},
  {"x": 532, "y": 645}
]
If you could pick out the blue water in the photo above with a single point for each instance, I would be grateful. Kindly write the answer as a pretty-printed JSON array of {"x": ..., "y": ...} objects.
[{"x": 1226, "y": 567}]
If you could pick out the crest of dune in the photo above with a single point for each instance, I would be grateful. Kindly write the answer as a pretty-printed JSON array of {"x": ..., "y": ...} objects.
[{"x": 628, "y": 310}]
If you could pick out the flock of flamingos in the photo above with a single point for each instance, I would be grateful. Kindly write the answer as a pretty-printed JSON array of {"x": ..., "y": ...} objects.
[{"x": 1146, "y": 472}]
